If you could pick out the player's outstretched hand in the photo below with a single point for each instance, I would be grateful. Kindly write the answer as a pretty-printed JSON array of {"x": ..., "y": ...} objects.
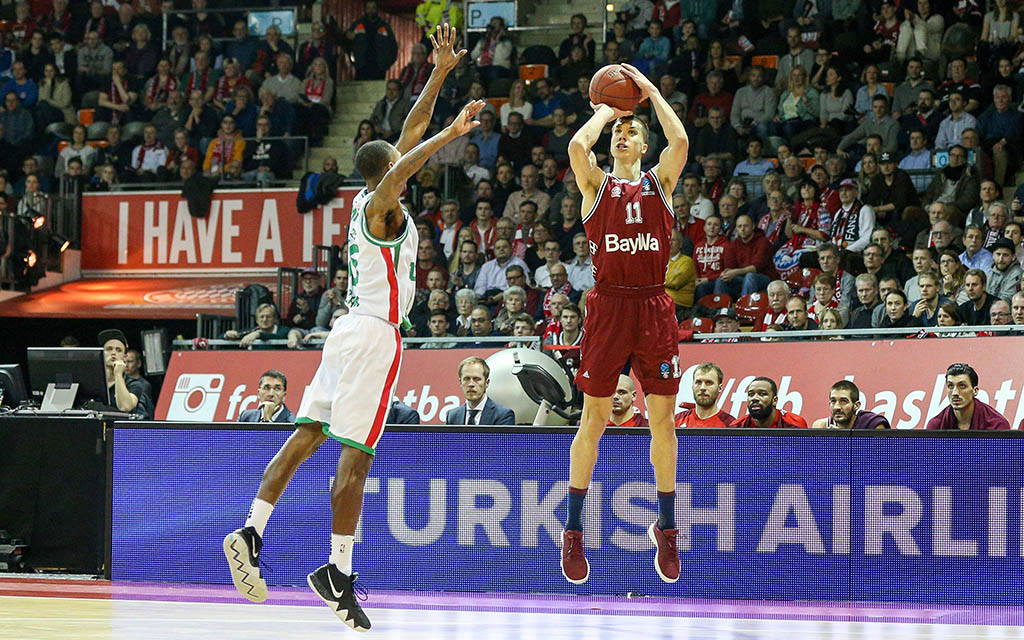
[
  {"x": 445, "y": 56},
  {"x": 616, "y": 113},
  {"x": 647, "y": 88},
  {"x": 465, "y": 123}
]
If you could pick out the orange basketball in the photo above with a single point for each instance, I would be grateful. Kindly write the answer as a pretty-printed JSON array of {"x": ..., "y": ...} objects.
[{"x": 612, "y": 87}]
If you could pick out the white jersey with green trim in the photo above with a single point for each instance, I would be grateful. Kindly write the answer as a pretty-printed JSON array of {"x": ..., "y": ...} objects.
[{"x": 382, "y": 273}]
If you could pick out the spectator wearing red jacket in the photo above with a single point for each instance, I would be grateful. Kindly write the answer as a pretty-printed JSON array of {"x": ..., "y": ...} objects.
[
  {"x": 762, "y": 396},
  {"x": 709, "y": 256},
  {"x": 747, "y": 261}
]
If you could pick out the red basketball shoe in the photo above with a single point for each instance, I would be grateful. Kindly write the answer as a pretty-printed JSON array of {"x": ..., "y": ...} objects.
[
  {"x": 666, "y": 562},
  {"x": 575, "y": 567}
]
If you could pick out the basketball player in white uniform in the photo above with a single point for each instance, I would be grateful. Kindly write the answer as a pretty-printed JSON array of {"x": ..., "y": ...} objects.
[{"x": 351, "y": 392}]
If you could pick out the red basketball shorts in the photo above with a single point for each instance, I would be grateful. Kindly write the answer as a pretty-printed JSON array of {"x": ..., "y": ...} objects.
[{"x": 641, "y": 330}]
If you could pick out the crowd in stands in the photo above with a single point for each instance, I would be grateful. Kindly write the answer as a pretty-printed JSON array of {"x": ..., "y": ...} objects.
[
  {"x": 835, "y": 180},
  {"x": 94, "y": 91}
]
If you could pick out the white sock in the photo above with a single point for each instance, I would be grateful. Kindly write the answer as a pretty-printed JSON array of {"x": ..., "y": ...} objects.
[
  {"x": 341, "y": 552},
  {"x": 259, "y": 513}
]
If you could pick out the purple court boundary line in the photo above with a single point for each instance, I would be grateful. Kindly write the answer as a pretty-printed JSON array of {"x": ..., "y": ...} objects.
[{"x": 553, "y": 603}]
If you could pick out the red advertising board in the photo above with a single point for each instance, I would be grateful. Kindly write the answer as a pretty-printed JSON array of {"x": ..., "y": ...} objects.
[
  {"x": 901, "y": 379},
  {"x": 152, "y": 233}
]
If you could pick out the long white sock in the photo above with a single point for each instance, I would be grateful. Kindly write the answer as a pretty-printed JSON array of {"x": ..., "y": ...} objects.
[
  {"x": 341, "y": 552},
  {"x": 259, "y": 513}
]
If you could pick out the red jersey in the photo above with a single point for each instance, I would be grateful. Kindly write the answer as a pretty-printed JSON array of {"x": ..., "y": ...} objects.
[
  {"x": 629, "y": 228},
  {"x": 783, "y": 420},
  {"x": 689, "y": 418},
  {"x": 637, "y": 420},
  {"x": 710, "y": 258}
]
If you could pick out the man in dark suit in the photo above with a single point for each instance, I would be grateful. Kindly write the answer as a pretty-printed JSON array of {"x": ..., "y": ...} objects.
[
  {"x": 402, "y": 413},
  {"x": 474, "y": 376},
  {"x": 273, "y": 387}
]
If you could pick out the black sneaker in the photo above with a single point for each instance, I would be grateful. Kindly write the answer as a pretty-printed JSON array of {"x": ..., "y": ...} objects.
[
  {"x": 338, "y": 592},
  {"x": 242, "y": 549}
]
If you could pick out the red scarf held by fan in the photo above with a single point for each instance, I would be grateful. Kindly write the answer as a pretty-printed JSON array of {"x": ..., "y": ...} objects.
[
  {"x": 158, "y": 90},
  {"x": 565, "y": 288},
  {"x": 144, "y": 149},
  {"x": 315, "y": 89},
  {"x": 222, "y": 153}
]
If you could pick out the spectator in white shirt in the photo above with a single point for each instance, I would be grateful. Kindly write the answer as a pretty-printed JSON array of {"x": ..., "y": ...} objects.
[
  {"x": 542, "y": 276},
  {"x": 581, "y": 269}
]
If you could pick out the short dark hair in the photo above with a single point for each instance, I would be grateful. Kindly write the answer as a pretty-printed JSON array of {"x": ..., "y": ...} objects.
[
  {"x": 880, "y": 98},
  {"x": 771, "y": 383},
  {"x": 514, "y": 268},
  {"x": 372, "y": 159},
  {"x": 573, "y": 308},
  {"x": 963, "y": 369},
  {"x": 899, "y": 292},
  {"x": 979, "y": 274},
  {"x": 274, "y": 373},
  {"x": 640, "y": 124},
  {"x": 849, "y": 387}
]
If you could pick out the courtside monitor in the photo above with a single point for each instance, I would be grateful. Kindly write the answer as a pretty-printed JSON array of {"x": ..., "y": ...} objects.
[
  {"x": 63, "y": 377},
  {"x": 12, "y": 386}
]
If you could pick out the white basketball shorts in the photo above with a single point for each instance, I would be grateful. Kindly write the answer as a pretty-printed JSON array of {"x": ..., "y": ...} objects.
[{"x": 351, "y": 392}]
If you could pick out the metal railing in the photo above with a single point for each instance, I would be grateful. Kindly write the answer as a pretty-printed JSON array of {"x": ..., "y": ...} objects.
[{"x": 461, "y": 342}]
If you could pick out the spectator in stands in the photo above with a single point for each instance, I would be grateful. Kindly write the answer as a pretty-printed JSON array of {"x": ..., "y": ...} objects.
[
  {"x": 823, "y": 299},
  {"x": 493, "y": 52},
  {"x": 653, "y": 52},
  {"x": 149, "y": 160},
  {"x": 624, "y": 414},
  {"x": 552, "y": 256},
  {"x": 116, "y": 153},
  {"x": 315, "y": 100},
  {"x": 465, "y": 301},
  {"x": 334, "y": 298},
  {"x": 283, "y": 84},
  {"x": 754, "y": 105},
  {"x": 438, "y": 323},
  {"x": 118, "y": 103},
  {"x": 105, "y": 180},
  {"x": 263, "y": 160},
  {"x": 21, "y": 84},
  {"x": 701, "y": 207},
  {"x": 965, "y": 410},
  {"x": 528, "y": 179},
  {"x": 975, "y": 311},
  {"x": 480, "y": 326},
  {"x": 224, "y": 151},
  {"x": 16, "y": 125},
  {"x": 141, "y": 56},
  {"x": 77, "y": 149},
  {"x": 953, "y": 272},
  {"x": 892, "y": 191},
  {"x": 714, "y": 96},
  {"x": 471, "y": 166},
  {"x": 778, "y": 295},
  {"x": 318, "y": 46},
  {"x": 267, "y": 51},
  {"x": 556, "y": 140},
  {"x": 999, "y": 313},
  {"x": 796, "y": 315},
  {"x": 267, "y": 328},
  {"x": 94, "y": 62},
  {"x": 492, "y": 279},
  {"x": 975, "y": 255},
  {"x": 754, "y": 164},
  {"x": 202, "y": 121},
  {"x": 845, "y": 408},
  {"x": 922, "y": 262},
  {"x": 270, "y": 392},
  {"x": 179, "y": 51},
  {"x": 228, "y": 83},
  {"x": 513, "y": 303},
  {"x": 854, "y": 222},
  {"x": 133, "y": 369},
  {"x": 170, "y": 117},
  {"x": 878, "y": 123},
  {"x": 716, "y": 140},
  {"x": 868, "y": 301},
  {"x": 242, "y": 48},
  {"x": 1005, "y": 277},
  {"x": 486, "y": 139},
  {"x": 1017, "y": 308},
  {"x": 998, "y": 126},
  {"x": 952, "y": 127},
  {"x": 979, "y": 215},
  {"x": 426, "y": 261},
  {"x": 390, "y": 111},
  {"x": 762, "y": 411},
  {"x": 709, "y": 257},
  {"x": 798, "y": 107},
  {"x": 373, "y": 44},
  {"x": 581, "y": 267},
  {"x": 578, "y": 37},
  {"x": 544, "y": 106},
  {"x": 897, "y": 312},
  {"x": 681, "y": 277},
  {"x": 958, "y": 82},
  {"x": 515, "y": 143},
  {"x": 920, "y": 33},
  {"x": 927, "y": 307},
  {"x": 920, "y": 157},
  {"x": 907, "y": 93},
  {"x": 126, "y": 393},
  {"x": 474, "y": 377},
  {"x": 202, "y": 77},
  {"x": 54, "y": 98},
  {"x": 797, "y": 56},
  {"x": 707, "y": 386},
  {"x": 747, "y": 262}
]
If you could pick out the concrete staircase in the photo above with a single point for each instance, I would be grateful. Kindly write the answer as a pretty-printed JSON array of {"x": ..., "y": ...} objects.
[{"x": 354, "y": 102}]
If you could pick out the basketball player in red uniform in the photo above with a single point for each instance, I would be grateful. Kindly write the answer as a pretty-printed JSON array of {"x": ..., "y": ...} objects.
[
  {"x": 704, "y": 412},
  {"x": 628, "y": 219}
]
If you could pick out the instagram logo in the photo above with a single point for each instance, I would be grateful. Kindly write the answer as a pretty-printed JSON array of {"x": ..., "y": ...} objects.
[{"x": 196, "y": 396}]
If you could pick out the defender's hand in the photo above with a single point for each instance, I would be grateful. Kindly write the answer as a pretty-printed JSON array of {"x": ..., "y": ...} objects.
[
  {"x": 445, "y": 57},
  {"x": 464, "y": 122}
]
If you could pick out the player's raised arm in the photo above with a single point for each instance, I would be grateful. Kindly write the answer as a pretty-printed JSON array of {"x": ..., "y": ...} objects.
[
  {"x": 581, "y": 159},
  {"x": 393, "y": 183},
  {"x": 673, "y": 157},
  {"x": 445, "y": 59}
]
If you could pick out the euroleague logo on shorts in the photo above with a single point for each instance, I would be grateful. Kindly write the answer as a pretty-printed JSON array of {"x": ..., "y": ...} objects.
[{"x": 666, "y": 370}]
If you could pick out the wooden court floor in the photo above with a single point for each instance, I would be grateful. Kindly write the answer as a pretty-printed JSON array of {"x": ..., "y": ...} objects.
[{"x": 40, "y": 609}]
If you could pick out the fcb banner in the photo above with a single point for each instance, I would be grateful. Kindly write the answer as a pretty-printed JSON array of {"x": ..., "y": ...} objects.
[
  {"x": 151, "y": 233},
  {"x": 901, "y": 379}
]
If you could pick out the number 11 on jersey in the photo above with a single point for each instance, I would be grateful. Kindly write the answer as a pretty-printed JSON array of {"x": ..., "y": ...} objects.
[{"x": 633, "y": 213}]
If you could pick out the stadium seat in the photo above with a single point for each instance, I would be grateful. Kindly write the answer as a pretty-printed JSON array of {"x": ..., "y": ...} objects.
[
  {"x": 500, "y": 87},
  {"x": 98, "y": 131},
  {"x": 698, "y": 325},
  {"x": 497, "y": 101},
  {"x": 752, "y": 306},
  {"x": 890, "y": 87},
  {"x": 86, "y": 116},
  {"x": 733, "y": 59},
  {"x": 539, "y": 54},
  {"x": 800, "y": 281},
  {"x": 531, "y": 72},
  {"x": 807, "y": 161},
  {"x": 91, "y": 100},
  {"x": 715, "y": 300}
]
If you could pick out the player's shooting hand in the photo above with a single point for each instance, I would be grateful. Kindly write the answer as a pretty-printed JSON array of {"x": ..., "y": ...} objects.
[
  {"x": 464, "y": 122},
  {"x": 445, "y": 57},
  {"x": 616, "y": 113},
  {"x": 647, "y": 88}
]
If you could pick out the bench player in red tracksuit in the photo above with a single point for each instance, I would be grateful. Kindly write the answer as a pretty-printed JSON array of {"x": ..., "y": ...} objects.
[{"x": 628, "y": 219}]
